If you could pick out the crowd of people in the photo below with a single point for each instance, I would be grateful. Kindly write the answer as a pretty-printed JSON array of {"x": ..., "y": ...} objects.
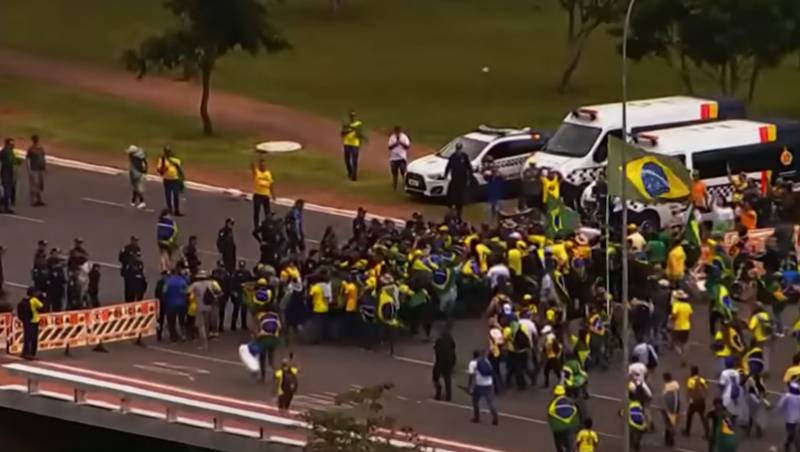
[{"x": 551, "y": 297}]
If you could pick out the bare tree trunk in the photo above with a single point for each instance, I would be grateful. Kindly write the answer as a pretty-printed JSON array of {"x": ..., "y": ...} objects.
[
  {"x": 751, "y": 89},
  {"x": 686, "y": 75},
  {"x": 574, "y": 53},
  {"x": 205, "y": 70}
]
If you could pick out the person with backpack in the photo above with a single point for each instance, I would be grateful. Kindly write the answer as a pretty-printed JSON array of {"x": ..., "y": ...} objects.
[
  {"x": 286, "y": 383},
  {"x": 518, "y": 344},
  {"x": 696, "y": 392},
  {"x": 28, "y": 312},
  {"x": 762, "y": 328},
  {"x": 206, "y": 293},
  {"x": 481, "y": 385}
]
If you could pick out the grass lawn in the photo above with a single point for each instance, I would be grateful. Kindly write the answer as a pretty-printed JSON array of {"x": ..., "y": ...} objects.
[
  {"x": 107, "y": 126},
  {"x": 414, "y": 62}
]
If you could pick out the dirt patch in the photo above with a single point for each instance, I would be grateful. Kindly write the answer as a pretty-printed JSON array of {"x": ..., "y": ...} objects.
[{"x": 232, "y": 111}]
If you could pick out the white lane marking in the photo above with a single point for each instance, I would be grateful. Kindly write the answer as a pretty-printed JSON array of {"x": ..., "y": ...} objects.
[
  {"x": 196, "y": 370},
  {"x": 164, "y": 371},
  {"x": 216, "y": 253},
  {"x": 114, "y": 204},
  {"x": 193, "y": 355},
  {"x": 413, "y": 361},
  {"x": 22, "y": 218},
  {"x": 17, "y": 285}
]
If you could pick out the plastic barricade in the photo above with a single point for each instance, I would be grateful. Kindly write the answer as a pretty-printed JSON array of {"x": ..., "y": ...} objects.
[
  {"x": 6, "y": 325},
  {"x": 122, "y": 322},
  {"x": 57, "y": 330}
]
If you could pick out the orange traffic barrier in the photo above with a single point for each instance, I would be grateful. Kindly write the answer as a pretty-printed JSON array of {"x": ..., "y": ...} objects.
[
  {"x": 122, "y": 321},
  {"x": 6, "y": 324},
  {"x": 57, "y": 330}
]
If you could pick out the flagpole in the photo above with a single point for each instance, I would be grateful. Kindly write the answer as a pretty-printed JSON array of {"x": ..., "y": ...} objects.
[{"x": 624, "y": 226}]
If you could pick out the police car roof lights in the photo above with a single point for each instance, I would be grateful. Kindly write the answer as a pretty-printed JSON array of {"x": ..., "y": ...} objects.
[
  {"x": 646, "y": 139},
  {"x": 585, "y": 113},
  {"x": 489, "y": 130}
]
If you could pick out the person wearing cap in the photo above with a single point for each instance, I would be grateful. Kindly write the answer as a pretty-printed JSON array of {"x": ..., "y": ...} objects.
[
  {"x": 681, "y": 316},
  {"x": 137, "y": 170},
  {"x": 459, "y": 170},
  {"x": 28, "y": 313},
  {"x": 56, "y": 281},
  {"x": 171, "y": 170},
  {"x": 226, "y": 245},
  {"x": 206, "y": 293},
  {"x": 134, "y": 279},
  {"x": 563, "y": 418},
  {"x": 789, "y": 407}
]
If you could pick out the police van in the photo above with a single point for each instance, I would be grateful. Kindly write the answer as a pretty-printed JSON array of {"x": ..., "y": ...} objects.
[
  {"x": 755, "y": 148},
  {"x": 579, "y": 148},
  {"x": 509, "y": 147}
]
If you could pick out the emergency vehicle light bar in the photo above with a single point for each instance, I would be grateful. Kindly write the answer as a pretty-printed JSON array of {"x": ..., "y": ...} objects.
[
  {"x": 585, "y": 113},
  {"x": 643, "y": 138}
]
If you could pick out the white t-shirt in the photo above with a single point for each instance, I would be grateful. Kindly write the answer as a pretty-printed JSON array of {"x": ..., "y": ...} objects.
[
  {"x": 398, "y": 146},
  {"x": 495, "y": 272},
  {"x": 642, "y": 351},
  {"x": 637, "y": 371},
  {"x": 480, "y": 379},
  {"x": 530, "y": 328}
]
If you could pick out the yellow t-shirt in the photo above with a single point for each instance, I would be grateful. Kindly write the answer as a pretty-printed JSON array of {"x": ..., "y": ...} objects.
[
  {"x": 756, "y": 325},
  {"x": 551, "y": 188},
  {"x": 319, "y": 305},
  {"x": 676, "y": 263},
  {"x": 792, "y": 373},
  {"x": 681, "y": 316},
  {"x": 351, "y": 137},
  {"x": 290, "y": 273},
  {"x": 587, "y": 440},
  {"x": 350, "y": 292},
  {"x": 515, "y": 261},
  {"x": 262, "y": 182},
  {"x": 170, "y": 167},
  {"x": 483, "y": 256},
  {"x": 36, "y": 305}
]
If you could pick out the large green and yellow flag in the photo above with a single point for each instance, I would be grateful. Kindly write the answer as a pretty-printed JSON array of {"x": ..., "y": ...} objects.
[
  {"x": 691, "y": 233},
  {"x": 651, "y": 178}
]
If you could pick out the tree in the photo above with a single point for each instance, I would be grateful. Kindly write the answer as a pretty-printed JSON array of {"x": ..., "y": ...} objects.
[
  {"x": 583, "y": 18},
  {"x": 729, "y": 41},
  {"x": 206, "y": 31},
  {"x": 360, "y": 428}
]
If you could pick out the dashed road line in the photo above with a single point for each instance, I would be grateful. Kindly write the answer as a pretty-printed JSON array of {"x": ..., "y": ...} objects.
[
  {"x": 23, "y": 218},
  {"x": 114, "y": 204}
]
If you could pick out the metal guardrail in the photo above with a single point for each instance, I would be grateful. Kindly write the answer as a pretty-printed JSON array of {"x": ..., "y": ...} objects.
[{"x": 221, "y": 415}]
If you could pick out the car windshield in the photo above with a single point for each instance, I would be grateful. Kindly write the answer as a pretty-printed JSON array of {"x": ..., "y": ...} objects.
[
  {"x": 573, "y": 140},
  {"x": 470, "y": 147}
]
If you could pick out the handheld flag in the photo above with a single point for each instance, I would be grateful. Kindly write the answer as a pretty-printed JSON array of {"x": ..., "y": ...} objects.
[
  {"x": 692, "y": 231},
  {"x": 560, "y": 218},
  {"x": 651, "y": 178}
]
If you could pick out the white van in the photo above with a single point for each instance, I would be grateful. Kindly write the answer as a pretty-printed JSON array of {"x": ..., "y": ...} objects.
[
  {"x": 509, "y": 147},
  {"x": 579, "y": 148},
  {"x": 752, "y": 147}
]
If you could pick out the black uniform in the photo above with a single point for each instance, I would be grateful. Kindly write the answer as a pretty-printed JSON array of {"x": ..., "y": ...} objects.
[
  {"x": 241, "y": 276},
  {"x": 127, "y": 255},
  {"x": 223, "y": 278},
  {"x": 445, "y": 361},
  {"x": 135, "y": 281},
  {"x": 459, "y": 168},
  {"x": 56, "y": 284},
  {"x": 227, "y": 248},
  {"x": 192, "y": 259},
  {"x": 93, "y": 291},
  {"x": 39, "y": 271}
]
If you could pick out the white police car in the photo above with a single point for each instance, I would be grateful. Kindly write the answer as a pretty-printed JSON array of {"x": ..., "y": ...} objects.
[{"x": 510, "y": 148}]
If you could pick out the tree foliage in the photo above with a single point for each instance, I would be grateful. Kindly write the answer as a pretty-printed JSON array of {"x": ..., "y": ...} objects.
[
  {"x": 729, "y": 41},
  {"x": 583, "y": 18},
  {"x": 360, "y": 427},
  {"x": 204, "y": 32}
]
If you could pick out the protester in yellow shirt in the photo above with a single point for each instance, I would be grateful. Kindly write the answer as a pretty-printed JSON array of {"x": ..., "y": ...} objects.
[
  {"x": 28, "y": 313},
  {"x": 681, "y": 321},
  {"x": 171, "y": 170},
  {"x": 676, "y": 263},
  {"x": 262, "y": 191},
  {"x": 352, "y": 136},
  {"x": 793, "y": 372},
  {"x": 587, "y": 438}
]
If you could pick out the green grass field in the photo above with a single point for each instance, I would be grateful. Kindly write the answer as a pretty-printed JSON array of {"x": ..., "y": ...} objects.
[
  {"x": 413, "y": 62},
  {"x": 107, "y": 126}
]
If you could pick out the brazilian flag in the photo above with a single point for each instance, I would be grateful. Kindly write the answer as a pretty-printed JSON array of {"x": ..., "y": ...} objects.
[
  {"x": 651, "y": 178},
  {"x": 561, "y": 220},
  {"x": 692, "y": 231}
]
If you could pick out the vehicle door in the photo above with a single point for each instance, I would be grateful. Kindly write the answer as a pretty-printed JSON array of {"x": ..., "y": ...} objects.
[{"x": 511, "y": 155}]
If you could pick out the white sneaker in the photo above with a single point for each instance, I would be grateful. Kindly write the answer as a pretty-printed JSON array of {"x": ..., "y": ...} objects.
[
  {"x": 141, "y": 205},
  {"x": 133, "y": 204}
]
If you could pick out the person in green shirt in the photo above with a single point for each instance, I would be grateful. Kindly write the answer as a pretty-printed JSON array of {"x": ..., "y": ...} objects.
[{"x": 656, "y": 249}]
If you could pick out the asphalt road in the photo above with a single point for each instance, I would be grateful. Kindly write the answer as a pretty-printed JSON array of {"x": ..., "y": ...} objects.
[{"x": 94, "y": 207}]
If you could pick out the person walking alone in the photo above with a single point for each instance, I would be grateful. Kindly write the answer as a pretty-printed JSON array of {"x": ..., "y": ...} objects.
[
  {"x": 789, "y": 407},
  {"x": 481, "y": 386},
  {"x": 286, "y": 383},
  {"x": 137, "y": 169},
  {"x": 171, "y": 170},
  {"x": 226, "y": 245},
  {"x": 262, "y": 191},
  {"x": 352, "y": 137},
  {"x": 445, "y": 354},
  {"x": 28, "y": 313},
  {"x": 8, "y": 183},
  {"x": 35, "y": 162},
  {"x": 399, "y": 144},
  {"x": 459, "y": 170}
]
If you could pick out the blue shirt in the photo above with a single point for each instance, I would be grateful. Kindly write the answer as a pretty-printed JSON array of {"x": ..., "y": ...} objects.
[
  {"x": 175, "y": 292},
  {"x": 789, "y": 407}
]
